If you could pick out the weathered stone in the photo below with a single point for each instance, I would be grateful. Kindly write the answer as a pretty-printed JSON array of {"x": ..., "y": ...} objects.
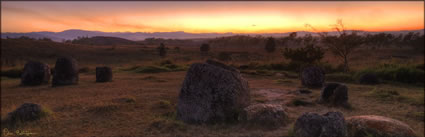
[
  {"x": 312, "y": 77},
  {"x": 268, "y": 115},
  {"x": 66, "y": 72},
  {"x": 331, "y": 124},
  {"x": 369, "y": 78},
  {"x": 35, "y": 73},
  {"x": 212, "y": 92},
  {"x": 103, "y": 74},
  {"x": 334, "y": 126},
  {"x": 377, "y": 126},
  {"x": 335, "y": 94},
  {"x": 309, "y": 125},
  {"x": 26, "y": 112}
]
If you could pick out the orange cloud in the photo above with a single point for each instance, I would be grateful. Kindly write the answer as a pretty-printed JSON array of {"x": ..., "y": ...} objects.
[{"x": 238, "y": 17}]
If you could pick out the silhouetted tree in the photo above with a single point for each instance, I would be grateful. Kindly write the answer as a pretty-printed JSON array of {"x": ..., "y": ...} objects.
[
  {"x": 205, "y": 48},
  {"x": 293, "y": 35},
  {"x": 379, "y": 40},
  {"x": 162, "y": 50},
  {"x": 305, "y": 55},
  {"x": 343, "y": 44},
  {"x": 414, "y": 40},
  {"x": 270, "y": 45}
]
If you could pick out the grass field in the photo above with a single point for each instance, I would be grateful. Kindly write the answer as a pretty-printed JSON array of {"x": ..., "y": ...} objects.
[{"x": 143, "y": 103}]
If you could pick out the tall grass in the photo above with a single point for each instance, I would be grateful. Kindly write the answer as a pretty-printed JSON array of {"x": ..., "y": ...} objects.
[{"x": 395, "y": 72}]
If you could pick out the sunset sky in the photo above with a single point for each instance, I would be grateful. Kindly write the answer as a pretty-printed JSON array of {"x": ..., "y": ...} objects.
[{"x": 202, "y": 17}]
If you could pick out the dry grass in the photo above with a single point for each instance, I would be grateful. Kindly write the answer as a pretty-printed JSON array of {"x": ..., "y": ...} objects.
[
  {"x": 103, "y": 109},
  {"x": 144, "y": 104}
]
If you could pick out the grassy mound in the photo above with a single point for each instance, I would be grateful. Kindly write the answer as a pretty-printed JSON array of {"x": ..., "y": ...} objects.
[{"x": 399, "y": 73}]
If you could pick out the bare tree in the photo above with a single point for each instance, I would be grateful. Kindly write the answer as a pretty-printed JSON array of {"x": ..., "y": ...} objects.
[{"x": 343, "y": 44}]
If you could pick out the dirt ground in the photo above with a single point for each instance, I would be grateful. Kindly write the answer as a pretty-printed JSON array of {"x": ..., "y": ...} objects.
[{"x": 136, "y": 104}]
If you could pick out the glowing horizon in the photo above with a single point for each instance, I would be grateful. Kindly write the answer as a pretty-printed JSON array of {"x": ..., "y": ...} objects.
[{"x": 210, "y": 17}]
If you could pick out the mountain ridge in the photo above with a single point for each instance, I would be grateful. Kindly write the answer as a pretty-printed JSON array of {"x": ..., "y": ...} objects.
[{"x": 71, "y": 34}]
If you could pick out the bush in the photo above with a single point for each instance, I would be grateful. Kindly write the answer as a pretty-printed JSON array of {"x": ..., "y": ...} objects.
[
  {"x": 270, "y": 45},
  {"x": 398, "y": 73},
  {"x": 12, "y": 73},
  {"x": 205, "y": 48},
  {"x": 224, "y": 56},
  {"x": 309, "y": 54},
  {"x": 162, "y": 50}
]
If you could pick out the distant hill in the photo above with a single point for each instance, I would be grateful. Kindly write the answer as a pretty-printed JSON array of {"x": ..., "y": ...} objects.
[
  {"x": 103, "y": 40},
  {"x": 137, "y": 36}
]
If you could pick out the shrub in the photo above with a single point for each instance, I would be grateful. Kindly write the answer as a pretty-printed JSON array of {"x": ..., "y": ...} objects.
[
  {"x": 309, "y": 54},
  {"x": 398, "y": 73},
  {"x": 224, "y": 56},
  {"x": 270, "y": 45},
  {"x": 162, "y": 50},
  {"x": 12, "y": 73},
  {"x": 205, "y": 48}
]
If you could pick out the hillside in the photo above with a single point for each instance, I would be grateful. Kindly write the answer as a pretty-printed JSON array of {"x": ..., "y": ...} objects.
[
  {"x": 137, "y": 36},
  {"x": 102, "y": 40}
]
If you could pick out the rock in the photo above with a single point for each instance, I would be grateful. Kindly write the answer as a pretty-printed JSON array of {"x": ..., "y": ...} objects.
[
  {"x": 35, "y": 73},
  {"x": 26, "y": 112},
  {"x": 309, "y": 125},
  {"x": 268, "y": 115},
  {"x": 212, "y": 92},
  {"x": 377, "y": 126},
  {"x": 331, "y": 124},
  {"x": 303, "y": 91},
  {"x": 103, "y": 74},
  {"x": 66, "y": 72},
  {"x": 334, "y": 126},
  {"x": 312, "y": 77},
  {"x": 369, "y": 78},
  {"x": 335, "y": 94}
]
